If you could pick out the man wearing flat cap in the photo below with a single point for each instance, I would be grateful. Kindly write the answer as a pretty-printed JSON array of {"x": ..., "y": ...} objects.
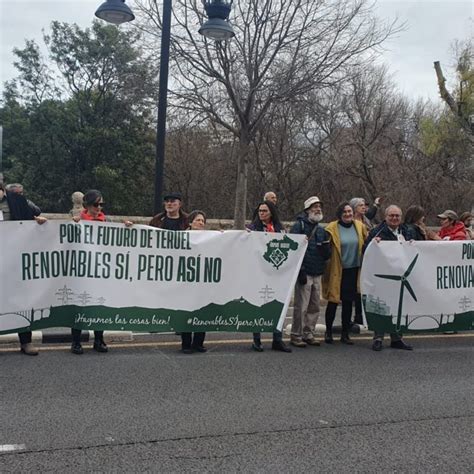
[
  {"x": 308, "y": 285},
  {"x": 451, "y": 227},
  {"x": 173, "y": 217}
]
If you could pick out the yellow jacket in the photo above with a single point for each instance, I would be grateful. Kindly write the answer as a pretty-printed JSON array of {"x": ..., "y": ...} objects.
[{"x": 332, "y": 277}]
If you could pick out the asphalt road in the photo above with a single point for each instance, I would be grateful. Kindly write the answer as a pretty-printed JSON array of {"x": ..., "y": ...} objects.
[{"x": 319, "y": 409}]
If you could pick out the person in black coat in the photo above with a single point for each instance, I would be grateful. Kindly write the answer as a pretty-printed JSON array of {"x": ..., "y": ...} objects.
[
  {"x": 14, "y": 207},
  {"x": 390, "y": 229},
  {"x": 415, "y": 221}
]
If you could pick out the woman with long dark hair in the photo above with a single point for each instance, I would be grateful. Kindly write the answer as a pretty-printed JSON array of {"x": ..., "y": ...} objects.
[
  {"x": 191, "y": 342},
  {"x": 265, "y": 219},
  {"x": 415, "y": 220}
]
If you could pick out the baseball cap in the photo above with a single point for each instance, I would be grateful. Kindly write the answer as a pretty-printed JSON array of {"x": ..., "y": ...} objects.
[{"x": 448, "y": 214}]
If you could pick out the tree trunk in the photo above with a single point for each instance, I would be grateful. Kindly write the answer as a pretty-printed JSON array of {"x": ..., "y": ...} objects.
[{"x": 241, "y": 187}]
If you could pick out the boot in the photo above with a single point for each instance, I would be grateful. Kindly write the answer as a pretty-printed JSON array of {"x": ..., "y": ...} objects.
[
  {"x": 345, "y": 339},
  {"x": 328, "y": 337},
  {"x": 280, "y": 346},
  {"x": 76, "y": 348},
  {"x": 100, "y": 345}
]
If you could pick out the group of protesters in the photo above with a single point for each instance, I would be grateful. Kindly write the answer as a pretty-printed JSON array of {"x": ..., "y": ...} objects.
[
  {"x": 330, "y": 267},
  {"x": 333, "y": 259}
]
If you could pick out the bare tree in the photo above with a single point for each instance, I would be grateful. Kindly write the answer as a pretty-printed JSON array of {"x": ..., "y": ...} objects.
[
  {"x": 372, "y": 114},
  {"x": 283, "y": 49}
]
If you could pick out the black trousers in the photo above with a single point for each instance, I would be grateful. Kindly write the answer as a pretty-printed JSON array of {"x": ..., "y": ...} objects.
[
  {"x": 188, "y": 341},
  {"x": 25, "y": 337},
  {"x": 76, "y": 335},
  {"x": 358, "y": 310},
  {"x": 277, "y": 336},
  {"x": 346, "y": 315}
]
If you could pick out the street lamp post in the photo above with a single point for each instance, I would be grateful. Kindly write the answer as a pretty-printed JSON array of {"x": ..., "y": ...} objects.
[{"x": 217, "y": 28}]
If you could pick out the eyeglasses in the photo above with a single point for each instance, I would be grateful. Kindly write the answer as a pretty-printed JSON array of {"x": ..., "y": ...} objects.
[{"x": 99, "y": 204}]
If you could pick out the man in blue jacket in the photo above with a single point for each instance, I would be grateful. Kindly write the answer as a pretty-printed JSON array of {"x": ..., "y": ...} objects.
[{"x": 308, "y": 285}]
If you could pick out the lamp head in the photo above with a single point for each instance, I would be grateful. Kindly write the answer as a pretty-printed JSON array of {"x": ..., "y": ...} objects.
[
  {"x": 115, "y": 11},
  {"x": 217, "y": 26}
]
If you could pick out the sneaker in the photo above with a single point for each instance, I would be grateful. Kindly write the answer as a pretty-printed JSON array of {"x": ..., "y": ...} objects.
[
  {"x": 377, "y": 345},
  {"x": 76, "y": 348},
  {"x": 311, "y": 341},
  {"x": 297, "y": 343},
  {"x": 100, "y": 346},
  {"x": 29, "y": 349}
]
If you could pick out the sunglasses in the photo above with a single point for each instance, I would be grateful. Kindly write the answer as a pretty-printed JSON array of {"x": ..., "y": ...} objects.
[{"x": 99, "y": 204}]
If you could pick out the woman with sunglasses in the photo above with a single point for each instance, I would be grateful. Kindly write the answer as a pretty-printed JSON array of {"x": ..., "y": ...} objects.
[
  {"x": 93, "y": 203},
  {"x": 265, "y": 219}
]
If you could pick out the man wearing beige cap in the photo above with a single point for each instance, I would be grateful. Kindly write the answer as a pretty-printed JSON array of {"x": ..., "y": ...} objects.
[
  {"x": 451, "y": 227},
  {"x": 308, "y": 285}
]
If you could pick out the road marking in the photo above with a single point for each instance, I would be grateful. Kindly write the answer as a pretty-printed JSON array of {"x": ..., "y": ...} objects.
[
  {"x": 232, "y": 342},
  {"x": 7, "y": 448}
]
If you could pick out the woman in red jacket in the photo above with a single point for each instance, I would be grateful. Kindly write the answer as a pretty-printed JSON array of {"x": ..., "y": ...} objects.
[
  {"x": 451, "y": 227},
  {"x": 93, "y": 203}
]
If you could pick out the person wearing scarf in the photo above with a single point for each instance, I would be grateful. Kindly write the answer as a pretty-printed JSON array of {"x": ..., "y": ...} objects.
[
  {"x": 265, "y": 219},
  {"x": 93, "y": 203},
  {"x": 341, "y": 278}
]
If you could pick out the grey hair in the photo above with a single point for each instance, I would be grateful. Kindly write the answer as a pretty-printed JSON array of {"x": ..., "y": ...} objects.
[
  {"x": 354, "y": 202},
  {"x": 392, "y": 206},
  {"x": 13, "y": 186}
]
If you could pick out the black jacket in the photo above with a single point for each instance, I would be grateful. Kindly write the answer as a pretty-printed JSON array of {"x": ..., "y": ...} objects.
[
  {"x": 259, "y": 226},
  {"x": 384, "y": 232},
  {"x": 319, "y": 249},
  {"x": 417, "y": 233},
  {"x": 19, "y": 208}
]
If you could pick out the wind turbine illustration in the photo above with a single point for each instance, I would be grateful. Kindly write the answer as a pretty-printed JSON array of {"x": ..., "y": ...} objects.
[{"x": 403, "y": 284}]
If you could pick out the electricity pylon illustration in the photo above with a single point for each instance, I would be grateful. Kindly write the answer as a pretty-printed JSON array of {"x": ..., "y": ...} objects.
[{"x": 403, "y": 284}]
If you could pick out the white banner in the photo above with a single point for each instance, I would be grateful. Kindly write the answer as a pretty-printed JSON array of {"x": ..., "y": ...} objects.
[
  {"x": 418, "y": 286},
  {"x": 106, "y": 276}
]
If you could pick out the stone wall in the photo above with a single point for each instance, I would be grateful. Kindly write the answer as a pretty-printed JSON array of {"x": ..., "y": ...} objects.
[{"x": 212, "y": 224}]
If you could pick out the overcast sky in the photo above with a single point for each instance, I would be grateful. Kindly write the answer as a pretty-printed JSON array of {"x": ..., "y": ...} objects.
[{"x": 431, "y": 28}]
